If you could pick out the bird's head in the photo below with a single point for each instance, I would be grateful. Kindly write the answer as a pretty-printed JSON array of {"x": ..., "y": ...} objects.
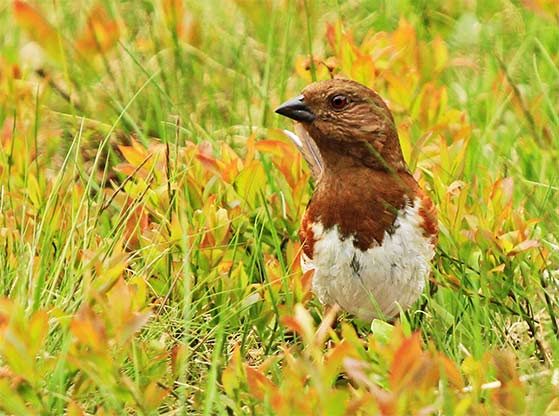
[{"x": 349, "y": 123}]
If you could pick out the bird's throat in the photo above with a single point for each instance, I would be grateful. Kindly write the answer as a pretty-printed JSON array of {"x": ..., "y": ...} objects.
[{"x": 341, "y": 155}]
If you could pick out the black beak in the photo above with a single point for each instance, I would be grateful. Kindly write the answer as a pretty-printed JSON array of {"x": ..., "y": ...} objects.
[{"x": 296, "y": 109}]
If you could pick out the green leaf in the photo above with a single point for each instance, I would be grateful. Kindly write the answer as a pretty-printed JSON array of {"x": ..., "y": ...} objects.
[
  {"x": 250, "y": 182},
  {"x": 382, "y": 331}
]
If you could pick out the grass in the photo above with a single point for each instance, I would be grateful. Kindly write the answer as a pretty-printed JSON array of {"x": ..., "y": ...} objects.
[{"x": 149, "y": 208}]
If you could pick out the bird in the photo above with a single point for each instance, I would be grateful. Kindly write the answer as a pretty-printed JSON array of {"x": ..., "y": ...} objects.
[{"x": 369, "y": 230}]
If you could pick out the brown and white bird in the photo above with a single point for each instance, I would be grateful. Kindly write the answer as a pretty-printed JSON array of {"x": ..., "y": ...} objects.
[{"x": 369, "y": 230}]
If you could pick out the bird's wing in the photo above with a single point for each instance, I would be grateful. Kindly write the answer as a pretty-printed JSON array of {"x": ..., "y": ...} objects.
[{"x": 308, "y": 149}]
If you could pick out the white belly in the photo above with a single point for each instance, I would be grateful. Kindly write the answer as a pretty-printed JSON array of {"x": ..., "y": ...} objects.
[{"x": 377, "y": 282}]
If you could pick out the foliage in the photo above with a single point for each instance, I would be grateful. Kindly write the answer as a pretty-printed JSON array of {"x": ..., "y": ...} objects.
[{"x": 149, "y": 207}]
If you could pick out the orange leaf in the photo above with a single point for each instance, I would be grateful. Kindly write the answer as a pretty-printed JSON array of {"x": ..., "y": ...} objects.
[
  {"x": 38, "y": 28},
  {"x": 291, "y": 323},
  {"x": 451, "y": 372},
  {"x": 335, "y": 359},
  {"x": 302, "y": 323},
  {"x": 406, "y": 358},
  {"x": 135, "y": 154},
  {"x": 74, "y": 409},
  {"x": 135, "y": 322},
  {"x": 258, "y": 383},
  {"x": 101, "y": 32},
  {"x": 89, "y": 330},
  {"x": 153, "y": 395},
  {"x": 275, "y": 147}
]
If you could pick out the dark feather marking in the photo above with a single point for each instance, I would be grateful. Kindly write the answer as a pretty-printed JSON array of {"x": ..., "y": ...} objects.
[{"x": 356, "y": 266}]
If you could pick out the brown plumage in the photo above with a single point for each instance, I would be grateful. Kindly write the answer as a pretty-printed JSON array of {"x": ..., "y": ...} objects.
[
  {"x": 364, "y": 190},
  {"x": 361, "y": 133},
  {"x": 363, "y": 169}
]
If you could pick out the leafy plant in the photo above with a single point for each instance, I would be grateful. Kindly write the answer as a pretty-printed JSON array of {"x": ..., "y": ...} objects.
[{"x": 149, "y": 207}]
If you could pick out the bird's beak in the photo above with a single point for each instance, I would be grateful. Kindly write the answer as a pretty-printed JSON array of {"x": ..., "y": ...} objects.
[{"x": 297, "y": 110}]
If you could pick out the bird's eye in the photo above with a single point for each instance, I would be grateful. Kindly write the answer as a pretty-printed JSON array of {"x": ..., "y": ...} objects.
[{"x": 339, "y": 102}]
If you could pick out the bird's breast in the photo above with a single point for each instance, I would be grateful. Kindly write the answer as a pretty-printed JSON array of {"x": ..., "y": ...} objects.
[{"x": 376, "y": 281}]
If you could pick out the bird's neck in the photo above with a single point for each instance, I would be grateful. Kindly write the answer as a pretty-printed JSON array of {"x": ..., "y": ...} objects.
[{"x": 338, "y": 156}]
